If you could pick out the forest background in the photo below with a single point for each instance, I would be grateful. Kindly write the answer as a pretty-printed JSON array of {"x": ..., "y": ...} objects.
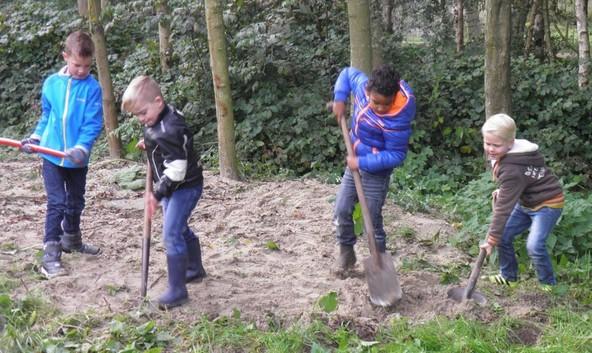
[{"x": 283, "y": 58}]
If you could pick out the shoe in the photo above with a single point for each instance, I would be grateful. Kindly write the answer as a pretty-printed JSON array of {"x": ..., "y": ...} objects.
[
  {"x": 347, "y": 257},
  {"x": 176, "y": 292},
  {"x": 195, "y": 271},
  {"x": 73, "y": 243},
  {"x": 500, "y": 280},
  {"x": 51, "y": 265}
]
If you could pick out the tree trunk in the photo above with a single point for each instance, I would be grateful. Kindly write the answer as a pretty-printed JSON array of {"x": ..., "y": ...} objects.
[
  {"x": 519, "y": 22},
  {"x": 387, "y": 16},
  {"x": 109, "y": 109},
  {"x": 104, "y": 4},
  {"x": 83, "y": 8},
  {"x": 164, "y": 34},
  {"x": 498, "y": 98},
  {"x": 224, "y": 114},
  {"x": 530, "y": 26},
  {"x": 459, "y": 24},
  {"x": 377, "y": 34},
  {"x": 547, "y": 28},
  {"x": 473, "y": 21},
  {"x": 583, "y": 43},
  {"x": 360, "y": 37}
]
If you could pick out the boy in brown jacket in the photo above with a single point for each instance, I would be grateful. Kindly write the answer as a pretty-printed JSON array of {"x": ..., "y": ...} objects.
[{"x": 529, "y": 197}]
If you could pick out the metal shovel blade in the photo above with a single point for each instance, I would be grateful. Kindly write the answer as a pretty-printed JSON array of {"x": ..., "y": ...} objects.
[
  {"x": 459, "y": 294},
  {"x": 383, "y": 282}
]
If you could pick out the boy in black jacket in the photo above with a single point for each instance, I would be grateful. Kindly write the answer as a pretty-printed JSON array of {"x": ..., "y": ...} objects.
[{"x": 177, "y": 174}]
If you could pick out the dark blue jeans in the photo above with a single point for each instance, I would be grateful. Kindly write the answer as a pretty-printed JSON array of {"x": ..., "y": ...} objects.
[
  {"x": 375, "y": 189},
  {"x": 176, "y": 211},
  {"x": 541, "y": 224},
  {"x": 65, "y": 189}
]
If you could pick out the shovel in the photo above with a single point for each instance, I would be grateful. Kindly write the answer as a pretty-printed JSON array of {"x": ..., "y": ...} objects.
[
  {"x": 147, "y": 231},
  {"x": 460, "y": 294},
  {"x": 35, "y": 148},
  {"x": 383, "y": 282}
]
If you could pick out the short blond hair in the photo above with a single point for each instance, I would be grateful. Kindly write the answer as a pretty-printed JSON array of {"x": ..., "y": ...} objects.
[
  {"x": 500, "y": 125},
  {"x": 141, "y": 90}
]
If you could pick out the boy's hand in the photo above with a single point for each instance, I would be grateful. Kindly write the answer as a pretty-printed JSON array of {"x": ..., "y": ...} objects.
[
  {"x": 76, "y": 155},
  {"x": 338, "y": 110},
  {"x": 151, "y": 204},
  {"x": 141, "y": 145},
  {"x": 487, "y": 247},
  {"x": 352, "y": 163},
  {"x": 26, "y": 144}
]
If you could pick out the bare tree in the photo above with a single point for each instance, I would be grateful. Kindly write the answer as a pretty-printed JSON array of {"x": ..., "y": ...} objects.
[
  {"x": 459, "y": 24},
  {"x": 164, "y": 34},
  {"x": 360, "y": 37},
  {"x": 387, "y": 16},
  {"x": 474, "y": 30},
  {"x": 498, "y": 97},
  {"x": 109, "y": 108},
  {"x": 547, "y": 28},
  {"x": 219, "y": 65},
  {"x": 583, "y": 43},
  {"x": 83, "y": 8},
  {"x": 377, "y": 32}
]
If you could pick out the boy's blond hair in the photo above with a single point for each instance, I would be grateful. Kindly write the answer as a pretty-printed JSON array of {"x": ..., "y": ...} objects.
[
  {"x": 79, "y": 43},
  {"x": 142, "y": 89},
  {"x": 500, "y": 125}
]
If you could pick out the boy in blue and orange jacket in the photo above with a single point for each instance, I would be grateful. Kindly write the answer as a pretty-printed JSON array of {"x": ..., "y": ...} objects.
[
  {"x": 71, "y": 121},
  {"x": 383, "y": 109}
]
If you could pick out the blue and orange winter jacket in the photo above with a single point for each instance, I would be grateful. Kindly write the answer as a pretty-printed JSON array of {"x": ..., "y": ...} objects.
[
  {"x": 380, "y": 141},
  {"x": 72, "y": 115}
]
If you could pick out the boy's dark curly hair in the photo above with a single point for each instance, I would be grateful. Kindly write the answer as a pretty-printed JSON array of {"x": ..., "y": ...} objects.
[{"x": 384, "y": 80}]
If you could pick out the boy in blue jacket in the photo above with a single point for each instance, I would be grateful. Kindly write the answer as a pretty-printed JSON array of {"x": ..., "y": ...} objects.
[
  {"x": 383, "y": 109},
  {"x": 71, "y": 121}
]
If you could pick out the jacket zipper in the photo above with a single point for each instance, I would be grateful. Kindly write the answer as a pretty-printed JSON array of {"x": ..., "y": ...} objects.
[{"x": 65, "y": 116}]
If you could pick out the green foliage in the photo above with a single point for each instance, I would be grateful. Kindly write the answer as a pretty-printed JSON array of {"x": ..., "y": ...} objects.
[{"x": 329, "y": 302}]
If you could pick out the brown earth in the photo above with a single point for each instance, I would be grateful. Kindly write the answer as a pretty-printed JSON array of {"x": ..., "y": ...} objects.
[{"x": 236, "y": 221}]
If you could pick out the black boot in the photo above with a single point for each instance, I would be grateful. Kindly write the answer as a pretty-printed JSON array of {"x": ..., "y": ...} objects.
[
  {"x": 195, "y": 271},
  {"x": 72, "y": 242},
  {"x": 51, "y": 265},
  {"x": 176, "y": 293},
  {"x": 347, "y": 257}
]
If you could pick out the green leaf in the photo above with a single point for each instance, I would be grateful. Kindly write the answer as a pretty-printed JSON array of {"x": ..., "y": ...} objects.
[
  {"x": 272, "y": 245},
  {"x": 328, "y": 302}
]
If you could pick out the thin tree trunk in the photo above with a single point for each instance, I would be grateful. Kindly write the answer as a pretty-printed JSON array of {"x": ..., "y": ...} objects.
[
  {"x": 109, "y": 109},
  {"x": 377, "y": 32},
  {"x": 83, "y": 8},
  {"x": 534, "y": 9},
  {"x": 498, "y": 98},
  {"x": 223, "y": 96},
  {"x": 459, "y": 25},
  {"x": 519, "y": 22},
  {"x": 360, "y": 37},
  {"x": 473, "y": 21},
  {"x": 583, "y": 43},
  {"x": 164, "y": 34},
  {"x": 547, "y": 28},
  {"x": 387, "y": 16}
]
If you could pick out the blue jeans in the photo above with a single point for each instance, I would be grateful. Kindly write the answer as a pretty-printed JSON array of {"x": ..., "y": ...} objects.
[
  {"x": 541, "y": 224},
  {"x": 176, "y": 211},
  {"x": 65, "y": 189},
  {"x": 375, "y": 189}
]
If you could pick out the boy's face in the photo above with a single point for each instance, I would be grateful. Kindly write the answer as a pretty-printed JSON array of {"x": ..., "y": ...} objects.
[
  {"x": 148, "y": 112},
  {"x": 380, "y": 104},
  {"x": 78, "y": 66},
  {"x": 495, "y": 146}
]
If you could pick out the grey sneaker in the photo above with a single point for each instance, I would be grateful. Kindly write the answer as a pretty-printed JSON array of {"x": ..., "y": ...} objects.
[
  {"x": 347, "y": 257},
  {"x": 51, "y": 265},
  {"x": 73, "y": 243}
]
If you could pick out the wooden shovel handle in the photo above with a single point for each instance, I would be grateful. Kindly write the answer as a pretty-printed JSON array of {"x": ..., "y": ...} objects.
[
  {"x": 147, "y": 230},
  {"x": 35, "y": 148},
  {"x": 368, "y": 226},
  {"x": 470, "y": 288}
]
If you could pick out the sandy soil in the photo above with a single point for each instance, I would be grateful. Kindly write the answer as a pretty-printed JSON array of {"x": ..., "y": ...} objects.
[{"x": 235, "y": 222}]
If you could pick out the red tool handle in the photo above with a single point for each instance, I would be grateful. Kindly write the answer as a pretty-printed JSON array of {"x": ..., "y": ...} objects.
[{"x": 35, "y": 148}]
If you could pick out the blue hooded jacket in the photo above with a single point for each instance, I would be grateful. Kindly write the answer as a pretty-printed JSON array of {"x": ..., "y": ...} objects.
[
  {"x": 380, "y": 141},
  {"x": 72, "y": 115}
]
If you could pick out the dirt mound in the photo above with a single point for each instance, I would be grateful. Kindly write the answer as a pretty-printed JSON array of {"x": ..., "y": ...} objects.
[{"x": 239, "y": 224}]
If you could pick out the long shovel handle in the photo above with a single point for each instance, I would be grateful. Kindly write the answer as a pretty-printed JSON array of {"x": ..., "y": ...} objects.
[
  {"x": 35, "y": 148},
  {"x": 470, "y": 288},
  {"x": 147, "y": 231},
  {"x": 368, "y": 226}
]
